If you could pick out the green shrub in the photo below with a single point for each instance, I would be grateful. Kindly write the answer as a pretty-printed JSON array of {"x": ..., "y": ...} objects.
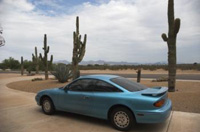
[
  {"x": 37, "y": 79},
  {"x": 62, "y": 72}
]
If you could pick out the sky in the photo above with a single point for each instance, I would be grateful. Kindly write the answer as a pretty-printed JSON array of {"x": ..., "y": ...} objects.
[{"x": 117, "y": 30}]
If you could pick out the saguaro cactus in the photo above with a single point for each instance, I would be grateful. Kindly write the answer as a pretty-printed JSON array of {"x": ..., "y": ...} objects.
[
  {"x": 44, "y": 59},
  {"x": 78, "y": 50},
  {"x": 36, "y": 60},
  {"x": 174, "y": 26},
  {"x": 22, "y": 66}
]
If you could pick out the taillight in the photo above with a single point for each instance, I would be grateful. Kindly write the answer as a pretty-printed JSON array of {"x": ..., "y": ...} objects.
[{"x": 159, "y": 103}]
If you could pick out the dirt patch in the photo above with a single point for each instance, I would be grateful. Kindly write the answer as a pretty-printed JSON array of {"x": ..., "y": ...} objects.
[
  {"x": 35, "y": 86},
  {"x": 187, "y": 95},
  {"x": 186, "y": 98}
]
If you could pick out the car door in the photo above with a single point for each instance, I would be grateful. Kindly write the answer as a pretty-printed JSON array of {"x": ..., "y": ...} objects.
[
  {"x": 77, "y": 98},
  {"x": 69, "y": 100},
  {"x": 105, "y": 95}
]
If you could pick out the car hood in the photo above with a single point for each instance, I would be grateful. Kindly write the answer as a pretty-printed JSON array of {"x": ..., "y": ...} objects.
[{"x": 48, "y": 90}]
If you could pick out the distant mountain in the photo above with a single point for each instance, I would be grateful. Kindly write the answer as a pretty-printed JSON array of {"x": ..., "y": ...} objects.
[
  {"x": 62, "y": 61},
  {"x": 99, "y": 62},
  {"x": 156, "y": 63},
  {"x": 102, "y": 62}
]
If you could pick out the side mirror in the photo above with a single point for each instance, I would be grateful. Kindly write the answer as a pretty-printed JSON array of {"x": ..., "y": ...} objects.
[{"x": 66, "y": 88}]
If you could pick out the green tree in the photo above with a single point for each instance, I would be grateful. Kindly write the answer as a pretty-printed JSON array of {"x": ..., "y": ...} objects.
[{"x": 10, "y": 63}]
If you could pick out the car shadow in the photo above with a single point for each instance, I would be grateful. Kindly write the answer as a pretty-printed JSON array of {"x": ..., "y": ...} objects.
[
  {"x": 83, "y": 118},
  {"x": 79, "y": 118},
  {"x": 104, "y": 123}
]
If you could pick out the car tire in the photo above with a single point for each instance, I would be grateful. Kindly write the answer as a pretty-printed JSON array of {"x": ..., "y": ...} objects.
[
  {"x": 122, "y": 119},
  {"x": 47, "y": 106}
]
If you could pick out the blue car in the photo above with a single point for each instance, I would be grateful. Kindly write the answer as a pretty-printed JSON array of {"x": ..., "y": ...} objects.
[{"x": 119, "y": 100}]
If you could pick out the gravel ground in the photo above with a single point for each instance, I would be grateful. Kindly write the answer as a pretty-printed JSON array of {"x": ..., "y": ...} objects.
[
  {"x": 186, "y": 98},
  {"x": 187, "y": 95}
]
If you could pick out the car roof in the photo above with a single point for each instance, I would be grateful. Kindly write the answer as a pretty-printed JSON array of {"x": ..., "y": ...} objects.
[{"x": 100, "y": 76}]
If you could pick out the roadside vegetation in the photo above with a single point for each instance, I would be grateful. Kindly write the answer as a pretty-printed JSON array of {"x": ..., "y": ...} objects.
[{"x": 14, "y": 64}]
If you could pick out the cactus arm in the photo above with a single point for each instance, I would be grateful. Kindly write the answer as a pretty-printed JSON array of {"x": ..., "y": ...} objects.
[
  {"x": 33, "y": 57},
  {"x": 85, "y": 39},
  {"x": 22, "y": 65},
  {"x": 177, "y": 23},
  {"x": 51, "y": 60},
  {"x": 47, "y": 51},
  {"x": 77, "y": 25},
  {"x": 36, "y": 55},
  {"x": 74, "y": 37},
  {"x": 79, "y": 38},
  {"x": 81, "y": 56},
  {"x": 164, "y": 37},
  {"x": 22, "y": 60},
  {"x": 40, "y": 56},
  {"x": 78, "y": 42},
  {"x": 45, "y": 41},
  {"x": 82, "y": 51}
]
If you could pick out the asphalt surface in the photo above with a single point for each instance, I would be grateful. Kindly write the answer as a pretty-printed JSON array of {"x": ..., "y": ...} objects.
[
  {"x": 152, "y": 76},
  {"x": 20, "y": 113}
]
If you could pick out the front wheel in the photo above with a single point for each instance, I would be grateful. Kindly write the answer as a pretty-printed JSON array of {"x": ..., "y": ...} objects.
[
  {"x": 47, "y": 106},
  {"x": 122, "y": 119}
]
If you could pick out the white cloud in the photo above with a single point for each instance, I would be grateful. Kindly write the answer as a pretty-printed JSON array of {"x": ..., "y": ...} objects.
[
  {"x": 119, "y": 30},
  {"x": 15, "y": 5}
]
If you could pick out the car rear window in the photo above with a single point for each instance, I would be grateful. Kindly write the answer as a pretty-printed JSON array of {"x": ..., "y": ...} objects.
[{"x": 128, "y": 84}]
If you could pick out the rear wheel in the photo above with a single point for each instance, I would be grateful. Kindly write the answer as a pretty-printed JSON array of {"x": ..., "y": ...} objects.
[
  {"x": 47, "y": 106},
  {"x": 122, "y": 119}
]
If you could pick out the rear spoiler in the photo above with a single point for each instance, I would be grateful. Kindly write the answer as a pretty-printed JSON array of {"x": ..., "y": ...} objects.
[{"x": 156, "y": 91}]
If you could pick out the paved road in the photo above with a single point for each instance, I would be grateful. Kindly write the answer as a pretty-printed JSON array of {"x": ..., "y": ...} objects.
[
  {"x": 154, "y": 76},
  {"x": 19, "y": 113},
  {"x": 179, "y": 76}
]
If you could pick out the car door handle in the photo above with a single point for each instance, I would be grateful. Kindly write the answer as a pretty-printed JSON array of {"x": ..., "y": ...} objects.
[{"x": 85, "y": 97}]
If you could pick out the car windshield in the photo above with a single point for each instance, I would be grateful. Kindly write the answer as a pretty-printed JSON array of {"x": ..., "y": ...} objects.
[{"x": 128, "y": 84}]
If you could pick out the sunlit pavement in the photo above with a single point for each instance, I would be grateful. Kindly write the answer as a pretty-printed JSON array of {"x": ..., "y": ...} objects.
[{"x": 20, "y": 113}]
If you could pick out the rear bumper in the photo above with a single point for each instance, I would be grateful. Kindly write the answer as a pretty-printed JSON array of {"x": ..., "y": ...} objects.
[{"x": 155, "y": 116}]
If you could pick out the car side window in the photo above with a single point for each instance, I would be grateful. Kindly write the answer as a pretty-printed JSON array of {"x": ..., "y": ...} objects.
[
  {"x": 102, "y": 86},
  {"x": 83, "y": 85}
]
